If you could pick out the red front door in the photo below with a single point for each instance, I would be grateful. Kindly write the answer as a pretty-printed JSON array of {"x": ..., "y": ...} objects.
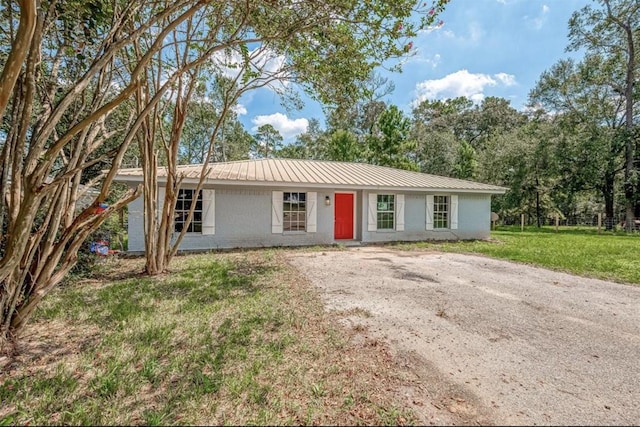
[{"x": 343, "y": 223}]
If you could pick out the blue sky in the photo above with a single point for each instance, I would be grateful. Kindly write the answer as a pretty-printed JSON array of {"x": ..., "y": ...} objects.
[{"x": 484, "y": 48}]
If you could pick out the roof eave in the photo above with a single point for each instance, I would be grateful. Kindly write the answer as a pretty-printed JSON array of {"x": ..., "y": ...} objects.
[{"x": 277, "y": 184}]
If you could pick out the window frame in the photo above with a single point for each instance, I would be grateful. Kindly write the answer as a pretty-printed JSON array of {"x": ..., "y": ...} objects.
[
  {"x": 383, "y": 215},
  {"x": 181, "y": 212},
  {"x": 441, "y": 217},
  {"x": 300, "y": 213}
]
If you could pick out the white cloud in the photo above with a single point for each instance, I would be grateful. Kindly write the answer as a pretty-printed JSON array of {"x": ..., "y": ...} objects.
[
  {"x": 538, "y": 22},
  {"x": 475, "y": 32},
  {"x": 432, "y": 61},
  {"x": 506, "y": 79},
  {"x": 239, "y": 109},
  {"x": 461, "y": 83},
  {"x": 473, "y": 36},
  {"x": 449, "y": 34},
  {"x": 287, "y": 127}
]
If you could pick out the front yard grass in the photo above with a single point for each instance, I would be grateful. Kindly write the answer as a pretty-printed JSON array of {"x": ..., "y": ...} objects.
[
  {"x": 234, "y": 339},
  {"x": 608, "y": 256}
]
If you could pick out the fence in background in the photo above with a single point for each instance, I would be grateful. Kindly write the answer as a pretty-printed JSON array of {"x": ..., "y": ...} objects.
[{"x": 598, "y": 221}]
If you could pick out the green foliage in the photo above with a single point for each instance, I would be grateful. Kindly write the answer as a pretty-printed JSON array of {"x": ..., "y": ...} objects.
[
  {"x": 343, "y": 146},
  {"x": 266, "y": 142},
  {"x": 112, "y": 231},
  {"x": 390, "y": 144},
  {"x": 467, "y": 165},
  {"x": 231, "y": 143},
  {"x": 609, "y": 35}
]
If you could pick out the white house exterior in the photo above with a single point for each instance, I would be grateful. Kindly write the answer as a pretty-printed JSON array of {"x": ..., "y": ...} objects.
[{"x": 283, "y": 202}]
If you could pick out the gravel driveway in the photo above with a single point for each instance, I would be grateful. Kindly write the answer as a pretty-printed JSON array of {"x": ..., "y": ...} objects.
[{"x": 489, "y": 341}]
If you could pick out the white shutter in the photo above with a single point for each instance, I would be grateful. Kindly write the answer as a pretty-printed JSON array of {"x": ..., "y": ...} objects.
[
  {"x": 429, "y": 212},
  {"x": 160, "y": 201},
  {"x": 312, "y": 211},
  {"x": 208, "y": 211},
  {"x": 372, "y": 223},
  {"x": 399, "y": 212},
  {"x": 276, "y": 211},
  {"x": 454, "y": 212}
]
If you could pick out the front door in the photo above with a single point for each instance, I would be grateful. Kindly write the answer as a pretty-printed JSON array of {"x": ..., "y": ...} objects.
[{"x": 343, "y": 223}]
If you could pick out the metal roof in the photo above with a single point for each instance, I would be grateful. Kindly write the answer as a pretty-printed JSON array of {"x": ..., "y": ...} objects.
[{"x": 315, "y": 173}]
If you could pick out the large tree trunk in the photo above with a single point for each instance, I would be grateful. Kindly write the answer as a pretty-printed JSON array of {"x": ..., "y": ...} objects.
[
  {"x": 59, "y": 133},
  {"x": 19, "y": 51},
  {"x": 608, "y": 195},
  {"x": 630, "y": 169}
]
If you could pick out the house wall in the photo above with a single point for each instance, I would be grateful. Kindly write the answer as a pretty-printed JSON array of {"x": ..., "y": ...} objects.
[
  {"x": 243, "y": 219},
  {"x": 474, "y": 220}
]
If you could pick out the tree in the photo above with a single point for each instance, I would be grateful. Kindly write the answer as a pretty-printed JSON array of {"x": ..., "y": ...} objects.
[
  {"x": 318, "y": 45},
  {"x": 233, "y": 144},
  {"x": 438, "y": 127},
  {"x": 266, "y": 142},
  {"x": 89, "y": 62},
  {"x": 60, "y": 122},
  {"x": 523, "y": 159},
  {"x": 343, "y": 146},
  {"x": 19, "y": 50},
  {"x": 493, "y": 116},
  {"x": 390, "y": 143},
  {"x": 467, "y": 164},
  {"x": 611, "y": 32},
  {"x": 308, "y": 145},
  {"x": 589, "y": 113}
]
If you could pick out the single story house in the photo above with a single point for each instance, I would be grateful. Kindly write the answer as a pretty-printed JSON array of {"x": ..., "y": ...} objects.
[{"x": 284, "y": 202}]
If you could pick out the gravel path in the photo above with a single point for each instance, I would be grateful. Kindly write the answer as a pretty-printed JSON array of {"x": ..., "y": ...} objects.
[{"x": 490, "y": 341}]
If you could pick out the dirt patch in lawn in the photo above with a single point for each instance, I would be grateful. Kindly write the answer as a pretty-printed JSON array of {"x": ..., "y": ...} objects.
[{"x": 489, "y": 341}]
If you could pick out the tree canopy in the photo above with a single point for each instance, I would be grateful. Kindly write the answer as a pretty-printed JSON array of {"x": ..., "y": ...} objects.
[{"x": 85, "y": 84}]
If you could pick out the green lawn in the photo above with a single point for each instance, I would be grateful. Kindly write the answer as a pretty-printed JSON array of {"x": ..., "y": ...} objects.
[
  {"x": 224, "y": 339},
  {"x": 610, "y": 256},
  {"x": 237, "y": 339}
]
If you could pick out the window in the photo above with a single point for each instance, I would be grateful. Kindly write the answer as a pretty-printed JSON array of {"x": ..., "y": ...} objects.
[
  {"x": 294, "y": 212},
  {"x": 183, "y": 204},
  {"x": 440, "y": 211},
  {"x": 386, "y": 211}
]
